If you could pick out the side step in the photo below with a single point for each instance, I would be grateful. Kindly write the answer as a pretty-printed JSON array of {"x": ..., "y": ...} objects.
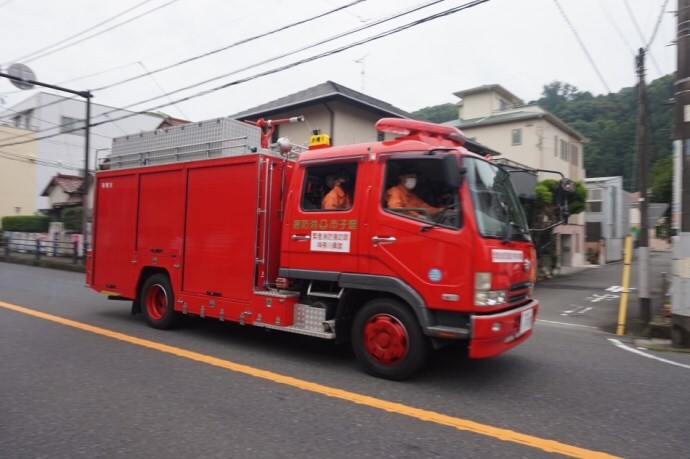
[{"x": 308, "y": 321}]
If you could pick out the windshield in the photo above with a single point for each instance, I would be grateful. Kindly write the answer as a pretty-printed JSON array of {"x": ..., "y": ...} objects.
[{"x": 496, "y": 206}]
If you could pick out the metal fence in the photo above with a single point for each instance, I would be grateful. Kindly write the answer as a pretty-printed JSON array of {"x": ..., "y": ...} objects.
[{"x": 41, "y": 249}]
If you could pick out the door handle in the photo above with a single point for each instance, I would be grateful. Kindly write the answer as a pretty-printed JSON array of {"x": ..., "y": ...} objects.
[
  {"x": 383, "y": 240},
  {"x": 300, "y": 237}
]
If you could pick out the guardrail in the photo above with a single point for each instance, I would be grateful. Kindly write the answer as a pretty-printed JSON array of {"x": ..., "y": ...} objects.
[{"x": 37, "y": 249}]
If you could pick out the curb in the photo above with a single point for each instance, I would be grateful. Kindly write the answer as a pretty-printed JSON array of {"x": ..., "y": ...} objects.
[{"x": 45, "y": 264}]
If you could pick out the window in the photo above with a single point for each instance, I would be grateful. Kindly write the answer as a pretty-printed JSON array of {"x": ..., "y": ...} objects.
[
  {"x": 594, "y": 206},
  {"x": 414, "y": 189},
  {"x": 574, "y": 155},
  {"x": 593, "y": 231},
  {"x": 329, "y": 188},
  {"x": 502, "y": 104},
  {"x": 71, "y": 125},
  {"x": 517, "y": 136},
  {"x": 594, "y": 200},
  {"x": 564, "y": 150}
]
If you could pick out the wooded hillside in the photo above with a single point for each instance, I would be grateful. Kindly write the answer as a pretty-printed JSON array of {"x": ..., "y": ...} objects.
[{"x": 610, "y": 124}]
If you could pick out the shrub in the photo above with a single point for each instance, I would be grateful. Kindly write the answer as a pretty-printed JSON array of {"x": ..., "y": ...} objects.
[
  {"x": 26, "y": 223},
  {"x": 71, "y": 217}
]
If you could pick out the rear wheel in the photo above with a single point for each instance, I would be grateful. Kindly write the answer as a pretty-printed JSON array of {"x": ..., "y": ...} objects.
[
  {"x": 387, "y": 340},
  {"x": 158, "y": 302}
]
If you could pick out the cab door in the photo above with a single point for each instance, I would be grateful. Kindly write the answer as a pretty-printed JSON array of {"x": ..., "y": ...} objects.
[
  {"x": 321, "y": 239},
  {"x": 433, "y": 257}
]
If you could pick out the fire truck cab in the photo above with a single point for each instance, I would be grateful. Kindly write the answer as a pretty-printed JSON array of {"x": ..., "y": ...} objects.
[{"x": 399, "y": 247}]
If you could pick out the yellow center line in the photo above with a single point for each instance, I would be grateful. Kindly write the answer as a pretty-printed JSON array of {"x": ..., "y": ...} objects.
[{"x": 550, "y": 446}]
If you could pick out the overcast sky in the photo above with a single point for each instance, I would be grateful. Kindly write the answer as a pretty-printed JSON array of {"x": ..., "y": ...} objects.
[{"x": 519, "y": 44}]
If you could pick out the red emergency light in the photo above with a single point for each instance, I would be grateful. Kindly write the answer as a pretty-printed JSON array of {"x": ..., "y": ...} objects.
[{"x": 411, "y": 127}]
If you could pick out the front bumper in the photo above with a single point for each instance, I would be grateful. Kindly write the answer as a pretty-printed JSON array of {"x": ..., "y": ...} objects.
[{"x": 494, "y": 334}]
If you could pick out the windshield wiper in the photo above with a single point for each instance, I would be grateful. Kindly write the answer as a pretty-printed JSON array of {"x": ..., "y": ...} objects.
[{"x": 439, "y": 217}]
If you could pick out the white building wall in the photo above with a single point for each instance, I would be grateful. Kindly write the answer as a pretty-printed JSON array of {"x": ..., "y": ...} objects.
[
  {"x": 67, "y": 149},
  {"x": 344, "y": 123}
]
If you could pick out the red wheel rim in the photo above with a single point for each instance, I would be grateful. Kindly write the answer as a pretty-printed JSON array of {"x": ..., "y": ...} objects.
[
  {"x": 385, "y": 338},
  {"x": 156, "y": 301}
]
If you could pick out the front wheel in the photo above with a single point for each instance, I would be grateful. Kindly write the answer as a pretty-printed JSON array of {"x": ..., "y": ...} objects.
[
  {"x": 387, "y": 340},
  {"x": 158, "y": 302}
]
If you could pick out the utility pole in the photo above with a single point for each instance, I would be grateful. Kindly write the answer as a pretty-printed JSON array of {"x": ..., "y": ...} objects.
[
  {"x": 645, "y": 311},
  {"x": 680, "y": 316}
]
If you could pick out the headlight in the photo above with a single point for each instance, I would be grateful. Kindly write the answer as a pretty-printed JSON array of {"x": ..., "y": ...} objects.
[{"x": 490, "y": 298}]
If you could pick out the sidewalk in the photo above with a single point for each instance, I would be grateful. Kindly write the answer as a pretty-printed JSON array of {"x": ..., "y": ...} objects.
[
  {"x": 63, "y": 263},
  {"x": 659, "y": 263}
]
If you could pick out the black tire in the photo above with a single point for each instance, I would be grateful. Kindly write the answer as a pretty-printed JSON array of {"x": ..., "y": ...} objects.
[
  {"x": 158, "y": 302},
  {"x": 387, "y": 340}
]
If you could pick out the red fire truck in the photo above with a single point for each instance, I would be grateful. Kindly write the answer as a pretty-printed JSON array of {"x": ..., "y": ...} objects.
[{"x": 202, "y": 220}]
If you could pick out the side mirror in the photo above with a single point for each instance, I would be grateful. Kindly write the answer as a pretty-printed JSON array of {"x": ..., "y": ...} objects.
[
  {"x": 566, "y": 187},
  {"x": 451, "y": 171}
]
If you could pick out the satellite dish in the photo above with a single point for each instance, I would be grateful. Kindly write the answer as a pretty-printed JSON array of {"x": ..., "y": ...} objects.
[{"x": 22, "y": 72}]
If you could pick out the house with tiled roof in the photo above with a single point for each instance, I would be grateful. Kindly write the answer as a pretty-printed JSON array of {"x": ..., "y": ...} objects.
[
  {"x": 531, "y": 136},
  {"x": 346, "y": 115},
  {"x": 63, "y": 191}
]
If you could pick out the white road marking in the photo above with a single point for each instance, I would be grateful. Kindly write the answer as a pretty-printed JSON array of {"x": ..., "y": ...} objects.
[
  {"x": 595, "y": 298},
  {"x": 620, "y": 345},
  {"x": 618, "y": 289},
  {"x": 564, "y": 323},
  {"x": 577, "y": 309}
]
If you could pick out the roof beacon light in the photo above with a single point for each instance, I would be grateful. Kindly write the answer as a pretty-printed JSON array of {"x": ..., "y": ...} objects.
[{"x": 411, "y": 127}]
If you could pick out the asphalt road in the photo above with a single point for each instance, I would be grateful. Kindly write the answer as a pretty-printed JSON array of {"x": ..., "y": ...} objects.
[{"x": 67, "y": 391}]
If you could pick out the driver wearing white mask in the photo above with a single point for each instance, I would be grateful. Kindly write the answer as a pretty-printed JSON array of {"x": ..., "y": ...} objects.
[{"x": 401, "y": 196}]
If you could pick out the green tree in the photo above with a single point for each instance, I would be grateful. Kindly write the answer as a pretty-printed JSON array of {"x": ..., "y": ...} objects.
[
  {"x": 661, "y": 181},
  {"x": 610, "y": 124},
  {"x": 437, "y": 113},
  {"x": 71, "y": 217}
]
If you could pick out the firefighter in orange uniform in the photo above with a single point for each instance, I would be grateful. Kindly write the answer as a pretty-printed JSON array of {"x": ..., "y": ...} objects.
[
  {"x": 401, "y": 195},
  {"x": 338, "y": 198}
]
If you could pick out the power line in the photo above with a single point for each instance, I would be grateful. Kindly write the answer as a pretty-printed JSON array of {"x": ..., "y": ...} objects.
[
  {"x": 304, "y": 48},
  {"x": 225, "y": 48},
  {"x": 34, "y": 161},
  {"x": 69, "y": 45},
  {"x": 49, "y": 122},
  {"x": 162, "y": 90},
  {"x": 52, "y": 45},
  {"x": 639, "y": 33},
  {"x": 278, "y": 29},
  {"x": 297, "y": 63},
  {"x": 582, "y": 45},
  {"x": 615, "y": 26},
  {"x": 656, "y": 26},
  {"x": 357, "y": 29}
]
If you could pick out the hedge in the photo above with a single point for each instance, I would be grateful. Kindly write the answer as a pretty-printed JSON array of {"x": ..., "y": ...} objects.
[{"x": 26, "y": 223}]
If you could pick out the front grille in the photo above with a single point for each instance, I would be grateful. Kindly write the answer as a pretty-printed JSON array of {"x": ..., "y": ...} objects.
[{"x": 518, "y": 293}]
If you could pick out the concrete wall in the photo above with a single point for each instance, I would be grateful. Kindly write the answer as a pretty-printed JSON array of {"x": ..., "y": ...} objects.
[
  {"x": 67, "y": 149},
  {"x": 17, "y": 178}
]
